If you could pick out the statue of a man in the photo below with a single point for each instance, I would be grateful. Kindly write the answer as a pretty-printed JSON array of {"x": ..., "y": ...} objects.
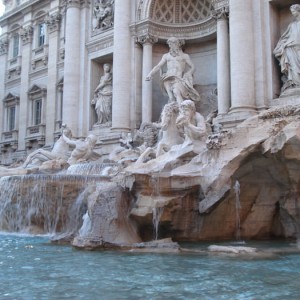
[
  {"x": 287, "y": 51},
  {"x": 84, "y": 149},
  {"x": 60, "y": 151},
  {"x": 103, "y": 96},
  {"x": 192, "y": 124},
  {"x": 177, "y": 82}
]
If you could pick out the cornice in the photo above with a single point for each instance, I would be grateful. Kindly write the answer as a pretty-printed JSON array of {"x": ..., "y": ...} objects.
[
  {"x": 99, "y": 44},
  {"x": 19, "y": 9}
]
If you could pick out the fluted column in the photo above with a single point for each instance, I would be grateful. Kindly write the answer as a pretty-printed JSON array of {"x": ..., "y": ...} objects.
[
  {"x": 147, "y": 41},
  {"x": 223, "y": 60},
  {"x": 72, "y": 66},
  {"x": 242, "y": 56},
  {"x": 122, "y": 75}
]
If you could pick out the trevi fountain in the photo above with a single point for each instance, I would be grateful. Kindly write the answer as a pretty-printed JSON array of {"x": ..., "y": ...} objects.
[{"x": 197, "y": 204}]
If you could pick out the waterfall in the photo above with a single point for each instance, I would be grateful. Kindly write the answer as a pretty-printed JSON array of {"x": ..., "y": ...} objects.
[
  {"x": 42, "y": 202},
  {"x": 86, "y": 225},
  {"x": 237, "y": 190},
  {"x": 156, "y": 216},
  {"x": 88, "y": 169}
]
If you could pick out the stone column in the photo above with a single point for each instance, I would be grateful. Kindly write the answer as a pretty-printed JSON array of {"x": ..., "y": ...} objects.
[
  {"x": 72, "y": 66},
  {"x": 3, "y": 63},
  {"x": 26, "y": 36},
  {"x": 223, "y": 60},
  {"x": 122, "y": 75},
  {"x": 242, "y": 57},
  {"x": 136, "y": 114},
  {"x": 53, "y": 22},
  {"x": 84, "y": 99},
  {"x": 147, "y": 41}
]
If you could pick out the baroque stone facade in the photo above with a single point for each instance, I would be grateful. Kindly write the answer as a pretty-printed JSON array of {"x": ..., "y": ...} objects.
[{"x": 52, "y": 55}]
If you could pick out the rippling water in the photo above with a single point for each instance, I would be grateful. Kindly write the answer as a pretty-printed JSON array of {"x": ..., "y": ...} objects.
[{"x": 31, "y": 268}]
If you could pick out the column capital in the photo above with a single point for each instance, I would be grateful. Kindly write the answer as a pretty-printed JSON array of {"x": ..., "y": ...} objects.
[
  {"x": 26, "y": 33},
  {"x": 221, "y": 13},
  {"x": 4, "y": 46},
  {"x": 53, "y": 21},
  {"x": 72, "y": 3},
  {"x": 146, "y": 39},
  {"x": 85, "y": 3}
]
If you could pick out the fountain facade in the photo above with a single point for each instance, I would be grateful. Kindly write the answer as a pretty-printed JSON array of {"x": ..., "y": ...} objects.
[{"x": 219, "y": 162}]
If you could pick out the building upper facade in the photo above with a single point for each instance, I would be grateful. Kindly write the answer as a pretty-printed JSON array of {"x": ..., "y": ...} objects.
[{"x": 54, "y": 57}]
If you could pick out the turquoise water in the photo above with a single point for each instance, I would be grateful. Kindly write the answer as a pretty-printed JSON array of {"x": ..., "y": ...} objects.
[{"x": 31, "y": 268}]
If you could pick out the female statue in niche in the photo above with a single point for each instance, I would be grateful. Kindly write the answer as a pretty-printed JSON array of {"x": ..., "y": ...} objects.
[
  {"x": 103, "y": 97},
  {"x": 287, "y": 51}
]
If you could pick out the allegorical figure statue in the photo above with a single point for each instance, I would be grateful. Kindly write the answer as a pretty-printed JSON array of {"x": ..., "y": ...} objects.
[
  {"x": 177, "y": 81},
  {"x": 103, "y": 14},
  {"x": 84, "y": 149},
  {"x": 287, "y": 51},
  {"x": 192, "y": 125},
  {"x": 103, "y": 97},
  {"x": 60, "y": 151}
]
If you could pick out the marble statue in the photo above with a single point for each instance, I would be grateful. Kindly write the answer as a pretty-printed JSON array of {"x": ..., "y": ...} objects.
[
  {"x": 60, "y": 151},
  {"x": 149, "y": 134},
  {"x": 169, "y": 134},
  {"x": 287, "y": 51},
  {"x": 103, "y": 97},
  {"x": 192, "y": 124},
  {"x": 84, "y": 149},
  {"x": 177, "y": 81},
  {"x": 103, "y": 14}
]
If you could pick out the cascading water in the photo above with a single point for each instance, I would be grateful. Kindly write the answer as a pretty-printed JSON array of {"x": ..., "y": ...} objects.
[
  {"x": 237, "y": 191},
  {"x": 156, "y": 211},
  {"x": 43, "y": 203},
  {"x": 156, "y": 216},
  {"x": 88, "y": 169},
  {"x": 86, "y": 225}
]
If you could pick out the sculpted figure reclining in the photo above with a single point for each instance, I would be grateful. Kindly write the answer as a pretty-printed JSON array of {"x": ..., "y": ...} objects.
[{"x": 60, "y": 151}]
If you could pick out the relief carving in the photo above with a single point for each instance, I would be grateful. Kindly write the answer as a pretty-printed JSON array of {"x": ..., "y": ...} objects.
[{"x": 103, "y": 14}]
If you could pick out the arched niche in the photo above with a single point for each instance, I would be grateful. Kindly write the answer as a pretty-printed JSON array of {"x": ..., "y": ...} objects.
[{"x": 185, "y": 19}]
